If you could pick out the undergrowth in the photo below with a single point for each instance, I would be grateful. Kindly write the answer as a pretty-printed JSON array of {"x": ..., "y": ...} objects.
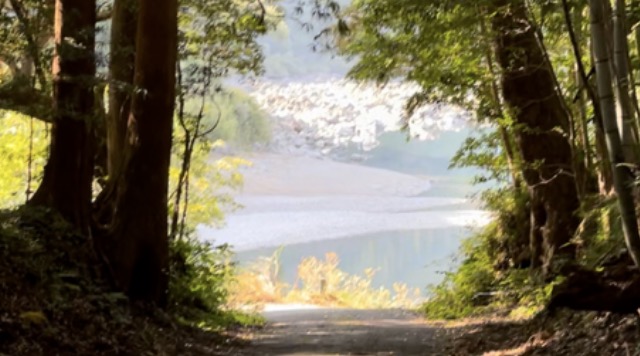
[
  {"x": 199, "y": 281},
  {"x": 55, "y": 299},
  {"x": 494, "y": 276},
  {"x": 319, "y": 282}
]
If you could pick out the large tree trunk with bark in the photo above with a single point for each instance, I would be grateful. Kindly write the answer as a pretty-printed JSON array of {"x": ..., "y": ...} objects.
[
  {"x": 124, "y": 20},
  {"x": 138, "y": 245},
  {"x": 66, "y": 185},
  {"x": 542, "y": 125},
  {"x": 121, "y": 69}
]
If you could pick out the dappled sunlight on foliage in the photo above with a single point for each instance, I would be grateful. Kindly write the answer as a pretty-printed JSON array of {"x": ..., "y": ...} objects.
[
  {"x": 17, "y": 133},
  {"x": 199, "y": 278},
  {"x": 212, "y": 181},
  {"x": 490, "y": 277}
]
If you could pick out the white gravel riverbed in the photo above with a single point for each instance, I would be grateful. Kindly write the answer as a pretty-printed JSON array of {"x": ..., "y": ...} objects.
[{"x": 287, "y": 200}]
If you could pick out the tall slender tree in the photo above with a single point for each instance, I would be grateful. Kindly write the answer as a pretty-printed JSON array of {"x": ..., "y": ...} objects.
[
  {"x": 66, "y": 185},
  {"x": 626, "y": 113},
  {"x": 529, "y": 89},
  {"x": 622, "y": 177},
  {"x": 121, "y": 70},
  {"x": 138, "y": 248}
]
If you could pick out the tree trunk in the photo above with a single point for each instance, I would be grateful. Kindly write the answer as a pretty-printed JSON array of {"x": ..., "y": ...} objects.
[
  {"x": 626, "y": 119},
  {"x": 622, "y": 177},
  {"x": 66, "y": 185},
  {"x": 121, "y": 68},
  {"x": 138, "y": 248},
  {"x": 121, "y": 71},
  {"x": 588, "y": 183},
  {"x": 528, "y": 88},
  {"x": 498, "y": 105}
]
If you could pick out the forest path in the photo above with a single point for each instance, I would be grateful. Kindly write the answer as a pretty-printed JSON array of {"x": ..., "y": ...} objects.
[{"x": 346, "y": 332}]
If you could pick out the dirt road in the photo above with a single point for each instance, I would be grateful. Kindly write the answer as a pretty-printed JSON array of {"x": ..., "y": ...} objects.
[
  {"x": 397, "y": 332},
  {"x": 345, "y": 332}
]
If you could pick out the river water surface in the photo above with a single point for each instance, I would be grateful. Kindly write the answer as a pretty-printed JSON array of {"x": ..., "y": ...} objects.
[{"x": 400, "y": 212}]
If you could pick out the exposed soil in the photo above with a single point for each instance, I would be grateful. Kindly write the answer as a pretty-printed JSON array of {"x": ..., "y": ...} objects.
[
  {"x": 345, "y": 332},
  {"x": 397, "y": 332}
]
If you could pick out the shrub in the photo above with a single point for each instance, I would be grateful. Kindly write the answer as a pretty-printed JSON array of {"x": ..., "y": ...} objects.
[
  {"x": 199, "y": 278},
  {"x": 319, "y": 282},
  {"x": 491, "y": 274}
]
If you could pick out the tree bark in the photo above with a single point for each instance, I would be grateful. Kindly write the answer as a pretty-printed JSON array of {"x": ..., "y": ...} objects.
[
  {"x": 498, "y": 104},
  {"x": 626, "y": 118},
  {"x": 66, "y": 185},
  {"x": 138, "y": 248},
  {"x": 121, "y": 88},
  {"x": 529, "y": 90},
  {"x": 622, "y": 176},
  {"x": 121, "y": 70}
]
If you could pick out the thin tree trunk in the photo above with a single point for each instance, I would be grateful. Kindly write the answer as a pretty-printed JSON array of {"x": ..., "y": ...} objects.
[
  {"x": 529, "y": 89},
  {"x": 186, "y": 158},
  {"x": 626, "y": 118},
  {"x": 622, "y": 177},
  {"x": 583, "y": 162},
  {"x": 582, "y": 81},
  {"x": 637, "y": 38},
  {"x": 499, "y": 108},
  {"x": 66, "y": 185},
  {"x": 602, "y": 150},
  {"x": 139, "y": 254},
  {"x": 581, "y": 78},
  {"x": 181, "y": 198}
]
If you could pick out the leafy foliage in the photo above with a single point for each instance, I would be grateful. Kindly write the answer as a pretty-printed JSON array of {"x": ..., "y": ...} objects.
[
  {"x": 20, "y": 135},
  {"x": 242, "y": 122},
  {"x": 483, "y": 151},
  {"x": 54, "y": 299},
  {"x": 438, "y": 45},
  {"x": 198, "y": 288},
  {"x": 491, "y": 262},
  {"x": 211, "y": 184}
]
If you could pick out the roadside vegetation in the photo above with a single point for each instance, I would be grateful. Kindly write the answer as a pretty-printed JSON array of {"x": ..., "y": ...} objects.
[
  {"x": 94, "y": 260},
  {"x": 107, "y": 164},
  {"x": 554, "y": 141},
  {"x": 318, "y": 282}
]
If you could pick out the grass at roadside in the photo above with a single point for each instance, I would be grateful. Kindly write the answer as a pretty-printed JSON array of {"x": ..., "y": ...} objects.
[{"x": 319, "y": 282}]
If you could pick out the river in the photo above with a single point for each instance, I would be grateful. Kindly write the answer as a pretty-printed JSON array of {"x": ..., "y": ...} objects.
[{"x": 400, "y": 211}]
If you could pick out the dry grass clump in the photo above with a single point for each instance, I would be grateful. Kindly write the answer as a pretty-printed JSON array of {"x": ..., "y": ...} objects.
[{"x": 320, "y": 282}]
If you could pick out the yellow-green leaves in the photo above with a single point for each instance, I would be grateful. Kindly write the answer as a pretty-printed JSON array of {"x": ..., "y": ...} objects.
[
  {"x": 18, "y": 135},
  {"x": 33, "y": 318}
]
